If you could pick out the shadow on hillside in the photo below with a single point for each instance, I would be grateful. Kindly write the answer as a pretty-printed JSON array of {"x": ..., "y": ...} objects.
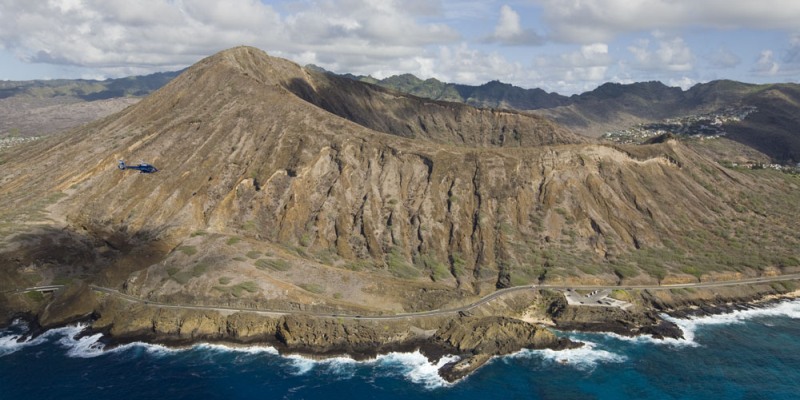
[
  {"x": 365, "y": 105},
  {"x": 48, "y": 255}
]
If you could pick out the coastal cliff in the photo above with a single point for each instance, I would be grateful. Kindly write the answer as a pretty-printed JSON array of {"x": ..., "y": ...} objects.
[
  {"x": 326, "y": 217},
  {"x": 474, "y": 339},
  {"x": 501, "y": 327}
]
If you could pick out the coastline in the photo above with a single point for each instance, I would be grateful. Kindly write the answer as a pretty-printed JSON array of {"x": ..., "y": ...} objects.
[
  {"x": 600, "y": 369},
  {"x": 316, "y": 338}
]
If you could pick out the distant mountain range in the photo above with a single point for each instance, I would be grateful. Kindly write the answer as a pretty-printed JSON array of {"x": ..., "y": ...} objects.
[
  {"x": 771, "y": 129},
  {"x": 328, "y": 204},
  {"x": 289, "y": 187},
  {"x": 87, "y": 89}
]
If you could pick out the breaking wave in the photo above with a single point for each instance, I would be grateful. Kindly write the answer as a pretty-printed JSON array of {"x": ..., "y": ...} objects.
[
  {"x": 417, "y": 368},
  {"x": 14, "y": 338},
  {"x": 689, "y": 326},
  {"x": 584, "y": 358}
]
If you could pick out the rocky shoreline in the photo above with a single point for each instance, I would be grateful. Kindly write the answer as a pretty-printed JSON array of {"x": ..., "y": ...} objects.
[{"x": 473, "y": 337}]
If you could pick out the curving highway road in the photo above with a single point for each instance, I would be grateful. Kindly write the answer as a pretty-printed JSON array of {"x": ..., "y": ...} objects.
[{"x": 432, "y": 313}]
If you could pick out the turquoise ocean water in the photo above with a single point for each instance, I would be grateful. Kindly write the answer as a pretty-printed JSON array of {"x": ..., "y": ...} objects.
[{"x": 753, "y": 354}]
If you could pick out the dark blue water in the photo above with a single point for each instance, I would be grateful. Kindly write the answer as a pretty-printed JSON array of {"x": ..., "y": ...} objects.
[{"x": 746, "y": 355}]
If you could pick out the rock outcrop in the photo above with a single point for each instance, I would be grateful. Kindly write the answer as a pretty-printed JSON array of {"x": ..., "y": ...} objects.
[
  {"x": 633, "y": 322},
  {"x": 477, "y": 339},
  {"x": 285, "y": 190},
  {"x": 362, "y": 178},
  {"x": 74, "y": 302},
  {"x": 474, "y": 339}
]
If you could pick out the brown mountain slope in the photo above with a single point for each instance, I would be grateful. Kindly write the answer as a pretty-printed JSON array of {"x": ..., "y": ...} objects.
[
  {"x": 408, "y": 116},
  {"x": 264, "y": 196},
  {"x": 771, "y": 129}
]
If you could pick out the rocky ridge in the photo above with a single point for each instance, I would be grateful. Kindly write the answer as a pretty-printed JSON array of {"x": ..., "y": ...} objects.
[
  {"x": 283, "y": 189},
  {"x": 254, "y": 149},
  {"x": 497, "y": 328}
]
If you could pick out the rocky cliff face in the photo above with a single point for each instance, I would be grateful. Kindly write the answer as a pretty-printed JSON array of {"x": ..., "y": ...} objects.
[
  {"x": 474, "y": 339},
  {"x": 346, "y": 192}
]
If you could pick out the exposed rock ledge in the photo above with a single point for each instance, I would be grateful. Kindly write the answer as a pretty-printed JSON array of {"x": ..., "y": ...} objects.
[{"x": 475, "y": 338}]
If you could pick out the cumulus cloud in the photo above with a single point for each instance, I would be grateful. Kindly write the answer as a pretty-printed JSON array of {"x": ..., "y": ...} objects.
[
  {"x": 466, "y": 65},
  {"x": 792, "y": 55},
  {"x": 769, "y": 64},
  {"x": 509, "y": 30},
  {"x": 590, "y": 21},
  {"x": 723, "y": 58},
  {"x": 683, "y": 82},
  {"x": 588, "y": 64},
  {"x": 121, "y": 36},
  {"x": 116, "y": 33},
  {"x": 671, "y": 54},
  {"x": 766, "y": 64}
]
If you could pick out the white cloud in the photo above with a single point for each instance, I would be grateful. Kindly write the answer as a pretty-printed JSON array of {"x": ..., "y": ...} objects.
[
  {"x": 588, "y": 21},
  {"x": 683, "y": 82},
  {"x": 120, "y": 36},
  {"x": 508, "y": 26},
  {"x": 722, "y": 58},
  {"x": 672, "y": 55},
  {"x": 792, "y": 55},
  {"x": 509, "y": 30},
  {"x": 463, "y": 64},
  {"x": 766, "y": 64},
  {"x": 588, "y": 64}
]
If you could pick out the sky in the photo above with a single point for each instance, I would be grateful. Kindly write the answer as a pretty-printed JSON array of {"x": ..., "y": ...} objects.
[{"x": 565, "y": 46}]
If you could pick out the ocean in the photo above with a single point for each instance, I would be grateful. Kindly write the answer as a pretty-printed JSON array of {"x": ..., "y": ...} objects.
[{"x": 752, "y": 354}]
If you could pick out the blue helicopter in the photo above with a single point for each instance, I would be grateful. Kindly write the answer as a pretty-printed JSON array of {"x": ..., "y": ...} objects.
[{"x": 143, "y": 168}]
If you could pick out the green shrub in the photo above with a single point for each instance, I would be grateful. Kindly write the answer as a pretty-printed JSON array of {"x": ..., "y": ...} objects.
[
  {"x": 238, "y": 290},
  {"x": 199, "y": 269},
  {"x": 625, "y": 271},
  {"x": 182, "y": 277},
  {"x": 273, "y": 264},
  {"x": 359, "y": 265},
  {"x": 35, "y": 296},
  {"x": 398, "y": 266},
  {"x": 249, "y": 286},
  {"x": 253, "y": 254},
  {"x": 458, "y": 263},
  {"x": 439, "y": 271},
  {"x": 312, "y": 287},
  {"x": 188, "y": 250},
  {"x": 692, "y": 270},
  {"x": 224, "y": 280}
]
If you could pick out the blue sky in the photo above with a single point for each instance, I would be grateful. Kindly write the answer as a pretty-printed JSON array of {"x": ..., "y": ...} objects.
[{"x": 567, "y": 46}]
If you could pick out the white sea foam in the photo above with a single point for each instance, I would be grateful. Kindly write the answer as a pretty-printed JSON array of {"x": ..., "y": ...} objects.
[
  {"x": 254, "y": 350},
  {"x": 417, "y": 368},
  {"x": 91, "y": 346},
  {"x": 341, "y": 367},
  {"x": 686, "y": 341},
  {"x": 301, "y": 365},
  {"x": 690, "y": 325},
  {"x": 790, "y": 309},
  {"x": 13, "y": 340},
  {"x": 84, "y": 347},
  {"x": 584, "y": 358}
]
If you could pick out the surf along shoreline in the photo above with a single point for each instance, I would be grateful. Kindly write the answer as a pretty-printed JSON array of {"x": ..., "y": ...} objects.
[{"x": 474, "y": 337}]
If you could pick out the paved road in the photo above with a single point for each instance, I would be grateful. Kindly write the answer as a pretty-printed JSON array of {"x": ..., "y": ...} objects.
[{"x": 432, "y": 313}]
